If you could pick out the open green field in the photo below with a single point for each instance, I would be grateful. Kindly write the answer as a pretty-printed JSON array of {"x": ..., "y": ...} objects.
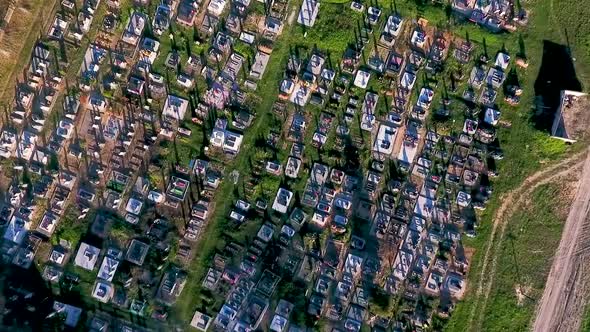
[{"x": 532, "y": 236}]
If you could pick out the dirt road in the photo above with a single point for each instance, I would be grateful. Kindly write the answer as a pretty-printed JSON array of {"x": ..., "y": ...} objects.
[
  {"x": 510, "y": 202},
  {"x": 562, "y": 304}
]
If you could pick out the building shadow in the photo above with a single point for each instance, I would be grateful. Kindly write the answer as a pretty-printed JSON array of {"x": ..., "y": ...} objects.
[{"x": 557, "y": 73}]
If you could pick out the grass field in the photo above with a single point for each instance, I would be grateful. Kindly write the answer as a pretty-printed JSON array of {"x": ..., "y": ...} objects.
[
  {"x": 532, "y": 237},
  {"x": 575, "y": 32}
]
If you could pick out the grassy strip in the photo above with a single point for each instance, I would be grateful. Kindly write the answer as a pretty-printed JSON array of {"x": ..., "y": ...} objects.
[
  {"x": 525, "y": 258},
  {"x": 190, "y": 299},
  {"x": 586, "y": 322}
]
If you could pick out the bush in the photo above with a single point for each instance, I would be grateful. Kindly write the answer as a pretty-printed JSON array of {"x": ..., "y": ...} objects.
[{"x": 380, "y": 303}]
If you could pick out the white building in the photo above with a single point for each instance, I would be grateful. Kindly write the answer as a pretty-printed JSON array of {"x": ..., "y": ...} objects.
[
  {"x": 103, "y": 291},
  {"x": 300, "y": 95},
  {"x": 175, "y": 108},
  {"x": 385, "y": 139},
  {"x": 134, "y": 29},
  {"x": 87, "y": 256},
  {"x": 315, "y": 64},
  {"x": 17, "y": 229},
  {"x": 221, "y": 137},
  {"x": 293, "y": 167},
  {"x": 502, "y": 61},
  {"x": 278, "y": 323},
  {"x": 216, "y": 7},
  {"x": 48, "y": 223},
  {"x": 201, "y": 321},
  {"x": 232, "y": 142},
  {"x": 26, "y": 145},
  {"x": 425, "y": 98},
  {"x": 362, "y": 78},
  {"x": 463, "y": 199},
  {"x": 259, "y": 66},
  {"x": 492, "y": 116},
  {"x": 308, "y": 12},
  {"x": 108, "y": 268},
  {"x": 408, "y": 80},
  {"x": 149, "y": 50},
  {"x": 409, "y": 149},
  {"x": 402, "y": 264},
  {"x": 134, "y": 206},
  {"x": 393, "y": 26},
  {"x": 282, "y": 200},
  {"x": 7, "y": 144}
]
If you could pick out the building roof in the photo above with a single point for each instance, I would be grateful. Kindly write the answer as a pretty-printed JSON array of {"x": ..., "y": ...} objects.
[
  {"x": 308, "y": 12},
  {"x": 362, "y": 78},
  {"x": 108, "y": 268},
  {"x": 385, "y": 139},
  {"x": 103, "y": 291},
  {"x": 134, "y": 28},
  {"x": 572, "y": 117},
  {"x": 72, "y": 313},
  {"x": 232, "y": 141},
  {"x": 175, "y": 107},
  {"x": 259, "y": 66},
  {"x": 279, "y": 323},
  {"x": 502, "y": 60},
  {"x": 16, "y": 230},
  {"x": 201, "y": 321},
  {"x": 87, "y": 256},
  {"x": 137, "y": 252}
]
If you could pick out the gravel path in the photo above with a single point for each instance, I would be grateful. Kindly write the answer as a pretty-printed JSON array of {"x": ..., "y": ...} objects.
[{"x": 562, "y": 305}]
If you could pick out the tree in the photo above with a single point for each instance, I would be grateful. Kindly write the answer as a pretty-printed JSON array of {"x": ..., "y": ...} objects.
[
  {"x": 380, "y": 302},
  {"x": 55, "y": 322},
  {"x": 53, "y": 164}
]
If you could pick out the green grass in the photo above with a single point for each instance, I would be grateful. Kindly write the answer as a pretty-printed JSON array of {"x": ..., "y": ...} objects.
[
  {"x": 575, "y": 33},
  {"x": 331, "y": 32},
  {"x": 184, "y": 149},
  {"x": 586, "y": 322},
  {"x": 71, "y": 228},
  {"x": 526, "y": 150},
  {"x": 525, "y": 257}
]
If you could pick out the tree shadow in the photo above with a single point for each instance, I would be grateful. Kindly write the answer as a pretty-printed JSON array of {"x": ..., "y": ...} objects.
[
  {"x": 557, "y": 73},
  {"x": 521, "y": 47},
  {"x": 25, "y": 291}
]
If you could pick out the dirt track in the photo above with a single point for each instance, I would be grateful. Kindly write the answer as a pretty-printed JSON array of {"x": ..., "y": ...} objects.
[
  {"x": 563, "y": 300},
  {"x": 510, "y": 202}
]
